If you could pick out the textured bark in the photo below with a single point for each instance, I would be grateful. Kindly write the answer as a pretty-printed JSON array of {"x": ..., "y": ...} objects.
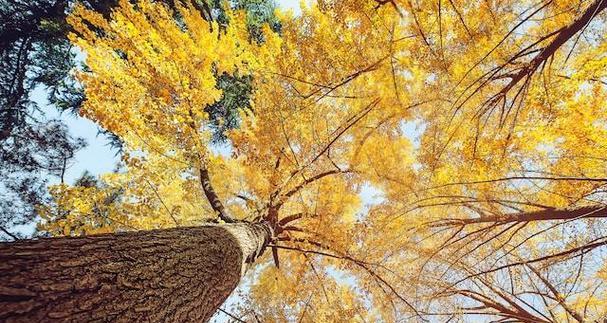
[{"x": 171, "y": 275}]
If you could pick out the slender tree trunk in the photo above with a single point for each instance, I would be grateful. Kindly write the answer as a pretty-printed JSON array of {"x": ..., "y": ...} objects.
[{"x": 171, "y": 275}]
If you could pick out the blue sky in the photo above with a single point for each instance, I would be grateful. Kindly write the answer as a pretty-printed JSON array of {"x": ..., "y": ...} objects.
[
  {"x": 289, "y": 4},
  {"x": 96, "y": 157}
]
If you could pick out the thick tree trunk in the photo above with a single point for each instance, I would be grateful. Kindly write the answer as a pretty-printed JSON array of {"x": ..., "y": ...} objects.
[{"x": 171, "y": 275}]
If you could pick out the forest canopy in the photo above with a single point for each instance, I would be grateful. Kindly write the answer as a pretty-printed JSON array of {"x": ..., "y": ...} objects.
[{"x": 480, "y": 126}]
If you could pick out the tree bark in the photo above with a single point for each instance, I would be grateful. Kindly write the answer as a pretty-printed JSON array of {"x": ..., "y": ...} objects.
[{"x": 171, "y": 275}]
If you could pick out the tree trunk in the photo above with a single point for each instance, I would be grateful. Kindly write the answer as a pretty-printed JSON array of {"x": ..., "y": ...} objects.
[{"x": 171, "y": 275}]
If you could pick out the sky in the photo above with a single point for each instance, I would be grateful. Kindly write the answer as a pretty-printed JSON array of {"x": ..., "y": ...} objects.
[{"x": 289, "y": 4}]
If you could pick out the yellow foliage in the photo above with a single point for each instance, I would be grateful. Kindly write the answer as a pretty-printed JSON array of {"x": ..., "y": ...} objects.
[{"x": 334, "y": 93}]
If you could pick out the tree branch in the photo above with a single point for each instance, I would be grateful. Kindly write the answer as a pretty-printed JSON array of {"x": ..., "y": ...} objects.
[
  {"x": 564, "y": 35},
  {"x": 583, "y": 249},
  {"x": 542, "y": 215},
  {"x": 8, "y": 233},
  {"x": 513, "y": 178},
  {"x": 557, "y": 296},
  {"x": 212, "y": 197},
  {"x": 362, "y": 264},
  {"x": 308, "y": 181}
]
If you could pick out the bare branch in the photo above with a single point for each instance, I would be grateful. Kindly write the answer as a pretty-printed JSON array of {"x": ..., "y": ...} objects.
[
  {"x": 8, "y": 233},
  {"x": 359, "y": 263},
  {"x": 563, "y": 36},
  {"x": 542, "y": 215},
  {"x": 513, "y": 178},
  {"x": 570, "y": 253},
  {"x": 162, "y": 202},
  {"x": 557, "y": 295},
  {"x": 290, "y": 218},
  {"x": 231, "y": 315}
]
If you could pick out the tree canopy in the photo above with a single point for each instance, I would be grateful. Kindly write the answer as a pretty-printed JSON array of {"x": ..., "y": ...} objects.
[
  {"x": 480, "y": 125},
  {"x": 37, "y": 60}
]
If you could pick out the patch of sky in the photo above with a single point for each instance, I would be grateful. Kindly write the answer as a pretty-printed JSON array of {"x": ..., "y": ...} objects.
[
  {"x": 370, "y": 196},
  {"x": 292, "y": 5},
  {"x": 223, "y": 149},
  {"x": 97, "y": 157},
  {"x": 413, "y": 130}
]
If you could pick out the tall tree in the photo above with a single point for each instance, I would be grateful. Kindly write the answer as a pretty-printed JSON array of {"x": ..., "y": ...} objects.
[{"x": 479, "y": 124}]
